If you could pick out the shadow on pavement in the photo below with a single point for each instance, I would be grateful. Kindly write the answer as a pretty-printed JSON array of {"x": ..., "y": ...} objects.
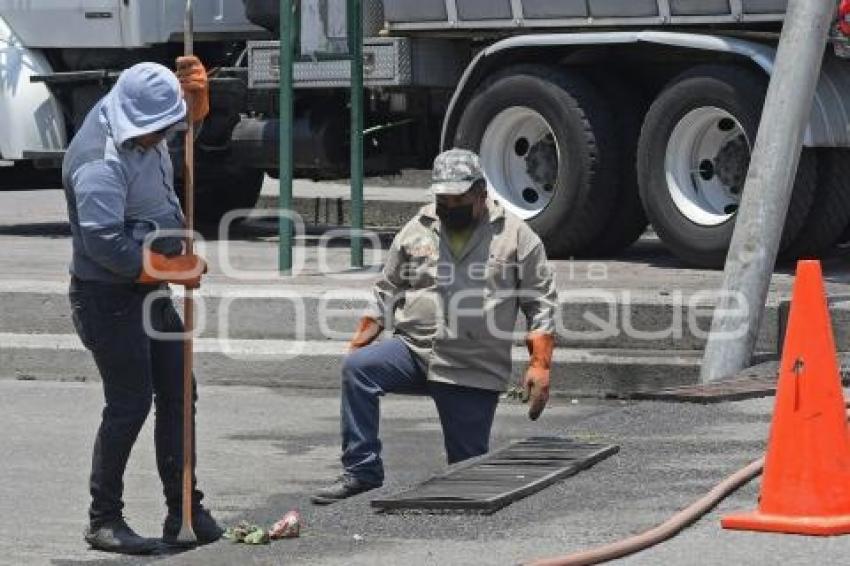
[
  {"x": 22, "y": 178},
  {"x": 250, "y": 231},
  {"x": 37, "y": 229},
  {"x": 106, "y": 559}
]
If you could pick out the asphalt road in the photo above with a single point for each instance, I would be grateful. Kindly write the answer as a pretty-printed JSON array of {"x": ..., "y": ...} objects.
[{"x": 262, "y": 451}]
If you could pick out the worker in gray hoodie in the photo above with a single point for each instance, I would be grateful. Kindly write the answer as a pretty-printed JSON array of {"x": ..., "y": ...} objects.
[{"x": 119, "y": 185}]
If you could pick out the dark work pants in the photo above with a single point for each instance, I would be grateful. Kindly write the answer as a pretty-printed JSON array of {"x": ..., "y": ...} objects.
[
  {"x": 466, "y": 414},
  {"x": 137, "y": 371}
]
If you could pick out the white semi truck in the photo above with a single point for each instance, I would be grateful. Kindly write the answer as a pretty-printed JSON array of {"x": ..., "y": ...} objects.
[{"x": 593, "y": 117}]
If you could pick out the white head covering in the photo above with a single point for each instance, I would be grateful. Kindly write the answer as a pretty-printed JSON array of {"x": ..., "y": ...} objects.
[{"x": 147, "y": 98}]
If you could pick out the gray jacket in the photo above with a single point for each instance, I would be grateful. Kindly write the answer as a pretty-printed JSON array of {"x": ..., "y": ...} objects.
[
  {"x": 117, "y": 194},
  {"x": 459, "y": 314}
]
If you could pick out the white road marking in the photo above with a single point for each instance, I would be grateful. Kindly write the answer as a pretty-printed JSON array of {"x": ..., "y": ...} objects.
[{"x": 9, "y": 341}]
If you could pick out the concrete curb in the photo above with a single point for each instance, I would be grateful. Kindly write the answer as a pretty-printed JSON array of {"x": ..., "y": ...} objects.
[
  {"x": 324, "y": 313},
  {"x": 578, "y": 372}
]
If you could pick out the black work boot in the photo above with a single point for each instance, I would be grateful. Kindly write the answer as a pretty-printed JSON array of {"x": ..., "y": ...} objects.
[
  {"x": 346, "y": 486},
  {"x": 206, "y": 529},
  {"x": 116, "y": 536}
]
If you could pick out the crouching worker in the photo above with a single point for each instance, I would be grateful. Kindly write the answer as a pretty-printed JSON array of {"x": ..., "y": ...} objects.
[
  {"x": 119, "y": 186},
  {"x": 454, "y": 281}
]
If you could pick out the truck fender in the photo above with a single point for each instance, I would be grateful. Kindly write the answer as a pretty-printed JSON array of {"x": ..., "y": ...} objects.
[
  {"x": 31, "y": 118},
  {"x": 829, "y": 125}
]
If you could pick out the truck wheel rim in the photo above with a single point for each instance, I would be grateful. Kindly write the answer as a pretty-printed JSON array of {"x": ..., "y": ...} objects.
[
  {"x": 519, "y": 153},
  {"x": 706, "y": 165}
]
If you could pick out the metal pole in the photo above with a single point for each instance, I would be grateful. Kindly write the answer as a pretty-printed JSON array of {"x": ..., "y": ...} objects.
[
  {"x": 767, "y": 193},
  {"x": 287, "y": 51},
  {"x": 355, "y": 50},
  {"x": 186, "y": 535}
]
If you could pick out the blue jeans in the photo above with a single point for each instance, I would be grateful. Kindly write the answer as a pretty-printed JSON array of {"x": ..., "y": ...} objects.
[
  {"x": 137, "y": 372},
  {"x": 466, "y": 414}
]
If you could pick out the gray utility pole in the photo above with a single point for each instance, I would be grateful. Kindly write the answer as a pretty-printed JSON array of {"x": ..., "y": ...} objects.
[{"x": 761, "y": 217}]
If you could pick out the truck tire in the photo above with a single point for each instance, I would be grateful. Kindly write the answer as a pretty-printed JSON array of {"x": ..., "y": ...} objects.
[
  {"x": 628, "y": 220},
  {"x": 548, "y": 145},
  {"x": 830, "y": 212},
  {"x": 693, "y": 158}
]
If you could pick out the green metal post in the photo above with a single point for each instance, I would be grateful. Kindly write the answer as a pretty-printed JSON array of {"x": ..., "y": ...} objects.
[
  {"x": 355, "y": 51},
  {"x": 287, "y": 52}
]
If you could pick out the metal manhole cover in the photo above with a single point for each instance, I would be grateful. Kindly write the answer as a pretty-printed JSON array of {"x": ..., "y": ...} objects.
[
  {"x": 716, "y": 392},
  {"x": 486, "y": 484}
]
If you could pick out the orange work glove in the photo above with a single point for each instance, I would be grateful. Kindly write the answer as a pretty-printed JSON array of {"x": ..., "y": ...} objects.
[
  {"x": 196, "y": 86},
  {"x": 535, "y": 384},
  {"x": 183, "y": 270},
  {"x": 367, "y": 330}
]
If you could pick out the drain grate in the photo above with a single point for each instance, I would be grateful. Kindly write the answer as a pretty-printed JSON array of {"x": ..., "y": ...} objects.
[
  {"x": 716, "y": 392},
  {"x": 486, "y": 484},
  {"x": 752, "y": 387}
]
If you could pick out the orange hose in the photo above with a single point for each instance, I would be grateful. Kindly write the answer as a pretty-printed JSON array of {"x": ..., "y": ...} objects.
[{"x": 662, "y": 532}]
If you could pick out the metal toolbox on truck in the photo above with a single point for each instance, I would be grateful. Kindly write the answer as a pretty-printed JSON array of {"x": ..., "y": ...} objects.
[
  {"x": 413, "y": 15},
  {"x": 387, "y": 62}
]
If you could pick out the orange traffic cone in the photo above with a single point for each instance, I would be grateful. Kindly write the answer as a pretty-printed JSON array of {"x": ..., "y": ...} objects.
[{"x": 806, "y": 484}]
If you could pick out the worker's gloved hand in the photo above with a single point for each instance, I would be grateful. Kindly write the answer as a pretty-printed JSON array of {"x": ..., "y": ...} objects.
[
  {"x": 535, "y": 384},
  {"x": 367, "y": 330},
  {"x": 183, "y": 270},
  {"x": 196, "y": 85}
]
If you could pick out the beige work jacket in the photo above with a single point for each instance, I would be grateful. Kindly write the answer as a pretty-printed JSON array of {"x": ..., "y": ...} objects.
[{"x": 459, "y": 313}]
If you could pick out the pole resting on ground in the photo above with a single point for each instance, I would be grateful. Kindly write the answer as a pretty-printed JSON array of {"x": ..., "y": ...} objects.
[
  {"x": 186, "y": 535},
  {"x": 767, "y": 193}
]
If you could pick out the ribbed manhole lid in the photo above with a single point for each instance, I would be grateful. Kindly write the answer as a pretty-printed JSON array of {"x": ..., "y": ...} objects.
[{"x": 490, "y": 482}]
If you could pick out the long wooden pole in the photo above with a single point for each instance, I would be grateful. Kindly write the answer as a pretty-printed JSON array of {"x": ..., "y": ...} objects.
[{"x": 187, "y": 533}]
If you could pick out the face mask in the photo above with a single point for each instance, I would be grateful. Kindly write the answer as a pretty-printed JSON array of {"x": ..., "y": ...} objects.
[{"x": 456, "y": 217}]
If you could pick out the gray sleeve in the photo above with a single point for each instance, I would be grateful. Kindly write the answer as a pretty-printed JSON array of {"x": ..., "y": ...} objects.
[
  {"x": 538, "y": 297},
  {"x": 389, "y": 288},
  {"x": 101, "y": 196}
]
